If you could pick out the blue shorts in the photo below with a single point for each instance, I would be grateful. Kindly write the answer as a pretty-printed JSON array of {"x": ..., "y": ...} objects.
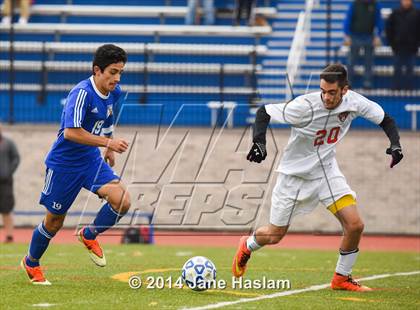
[{"x": 61, "y": 188}]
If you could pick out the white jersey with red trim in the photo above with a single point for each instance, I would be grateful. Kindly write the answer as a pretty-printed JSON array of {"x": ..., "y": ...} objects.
[{"x": 316, "y": 130}]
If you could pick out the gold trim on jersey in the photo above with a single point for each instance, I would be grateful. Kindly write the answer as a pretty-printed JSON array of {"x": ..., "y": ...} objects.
[{"x": 345, "y": 201}]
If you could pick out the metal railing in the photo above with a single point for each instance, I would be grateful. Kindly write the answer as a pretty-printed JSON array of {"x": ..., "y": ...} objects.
[
  {"x": 46, "y": 65},
  {"x": 301, "y": 39}
]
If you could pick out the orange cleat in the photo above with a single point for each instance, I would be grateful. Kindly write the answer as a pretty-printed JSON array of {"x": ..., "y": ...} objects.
[
  {"x": 35, "y": 274},
  {"x": 241, "y": 258},
  {"x": 95, "y": 250},
  {"x": 340, "y": 282}
]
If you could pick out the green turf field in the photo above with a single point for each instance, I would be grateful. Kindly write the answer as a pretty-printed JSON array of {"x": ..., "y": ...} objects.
[{"x": 79, "y": 284}]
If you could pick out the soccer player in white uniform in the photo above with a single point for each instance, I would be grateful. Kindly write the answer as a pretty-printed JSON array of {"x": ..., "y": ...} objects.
[{"x": 308, "y": 171}]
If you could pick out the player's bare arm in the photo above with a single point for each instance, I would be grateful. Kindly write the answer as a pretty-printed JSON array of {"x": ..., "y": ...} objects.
[{"x": 80, "y": 135}]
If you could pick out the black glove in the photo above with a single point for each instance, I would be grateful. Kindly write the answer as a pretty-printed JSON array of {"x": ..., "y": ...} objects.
[
  {"x": 257, "y": 153},
  {"x": 396, "y": 153}
]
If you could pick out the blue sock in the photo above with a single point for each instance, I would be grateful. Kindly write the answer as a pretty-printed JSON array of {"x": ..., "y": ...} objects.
[
  {"x": 105, "y": 219},
  {"x": 40, "y": 239}
]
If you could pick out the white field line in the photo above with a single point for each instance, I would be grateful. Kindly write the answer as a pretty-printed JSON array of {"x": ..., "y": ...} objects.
[{"x": 293, "y": 292}]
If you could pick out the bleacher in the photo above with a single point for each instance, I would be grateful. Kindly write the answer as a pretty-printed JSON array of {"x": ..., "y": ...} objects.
[
  {"x": 316, "y": 50},
  {"x": 167, "y": 59},
  {"x": 273, "y": 86},
  {"x": 171, "y": 63}
]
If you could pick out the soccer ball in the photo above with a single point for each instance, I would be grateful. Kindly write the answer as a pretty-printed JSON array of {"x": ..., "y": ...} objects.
[{"x": 199, "y": 273}]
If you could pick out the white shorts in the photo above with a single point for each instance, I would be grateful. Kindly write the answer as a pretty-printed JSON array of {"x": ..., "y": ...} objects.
[{"x": 293, "y": 195}]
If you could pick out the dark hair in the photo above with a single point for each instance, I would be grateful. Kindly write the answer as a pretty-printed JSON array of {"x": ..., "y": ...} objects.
[
  {"x": 108, "y": 54},
  {"x": 335, "y": 73}
]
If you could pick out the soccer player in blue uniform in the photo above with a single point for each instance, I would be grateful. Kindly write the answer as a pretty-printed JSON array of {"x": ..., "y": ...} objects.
[{"x": 75, "y": 161}]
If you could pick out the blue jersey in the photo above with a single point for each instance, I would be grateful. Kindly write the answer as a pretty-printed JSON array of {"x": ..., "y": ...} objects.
[{"x": 85, "y": 108}]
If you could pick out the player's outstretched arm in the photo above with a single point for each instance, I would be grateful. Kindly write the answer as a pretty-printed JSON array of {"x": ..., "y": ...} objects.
[
  {"x": 79, "y": 135},
  {"x": 391, "y": 130},
  {"x": 258, "y": 150}
]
